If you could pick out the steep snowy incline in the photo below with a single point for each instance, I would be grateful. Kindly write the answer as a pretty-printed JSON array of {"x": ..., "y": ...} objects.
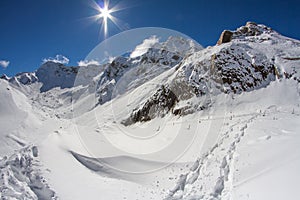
[{"x": 17, "y": 120}]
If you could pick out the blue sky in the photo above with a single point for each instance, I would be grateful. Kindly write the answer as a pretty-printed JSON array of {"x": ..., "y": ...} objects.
[{"x": 32, "y": 30}]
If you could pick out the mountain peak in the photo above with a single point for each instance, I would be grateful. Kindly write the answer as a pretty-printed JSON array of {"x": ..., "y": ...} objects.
[
  {"x": 251, "y": 29},
  {"x": 4, "y": 76},
  {"x": 53, "y": 74}
]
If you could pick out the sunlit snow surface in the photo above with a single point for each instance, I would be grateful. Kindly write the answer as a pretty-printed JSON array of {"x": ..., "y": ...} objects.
[{"x": 59, "y": 141}]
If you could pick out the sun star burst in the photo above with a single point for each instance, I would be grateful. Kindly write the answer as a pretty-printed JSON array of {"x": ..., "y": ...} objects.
[{"x": 105, "y": 16}]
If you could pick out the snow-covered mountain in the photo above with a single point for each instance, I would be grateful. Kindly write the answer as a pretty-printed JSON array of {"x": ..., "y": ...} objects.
[
  {"x": 251, "y": 60},
  {"x": 169, "y": 120}
]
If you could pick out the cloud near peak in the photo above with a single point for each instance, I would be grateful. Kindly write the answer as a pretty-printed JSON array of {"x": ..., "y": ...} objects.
[
  {"x": 57, "y": 59},
  {"x": 4, "y": 63},
  {"x": 84, "y": 63},
  {"x": 143, "y": 48}
]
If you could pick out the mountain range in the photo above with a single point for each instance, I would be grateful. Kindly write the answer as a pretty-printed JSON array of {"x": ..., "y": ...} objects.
[{"x": 172, "y": 121}]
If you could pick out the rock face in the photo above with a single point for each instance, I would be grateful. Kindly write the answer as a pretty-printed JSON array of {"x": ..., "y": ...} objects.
[
  {"x": 24, "y": 78},
  {"x": 252, "y": 29},
  {"x": 241, "y": 68},
  {"x": 160, "y": 103},
  {"x": 4, "y": 77},
  {"x": 225, "y": 37}
]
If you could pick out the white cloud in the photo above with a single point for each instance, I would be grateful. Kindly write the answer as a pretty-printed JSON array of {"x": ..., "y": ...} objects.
[
  {"x": 111, "y": 59},
  {"x": 84, "y": 63},
  {"x": 57, "y": 59},
  {"x": 143, "y": 48},
  {"x": 4, "y": 63}
]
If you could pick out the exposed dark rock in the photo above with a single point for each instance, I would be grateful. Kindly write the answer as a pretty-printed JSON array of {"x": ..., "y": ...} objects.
[
  {"x": 291, "y": 58},
  {"x": 25, "y": 78},
  {"x": 176, "y": 57},
  {"x": 250, "y": 29},
  {"x": 116, "y": 68},
  {"x": 225, "y": 37},
  {"x": 4, "y": 77},
  {"x": 34, "y": 150},
  {"x": 234, "y": 69},
  {"x": 160, "y": 103}
]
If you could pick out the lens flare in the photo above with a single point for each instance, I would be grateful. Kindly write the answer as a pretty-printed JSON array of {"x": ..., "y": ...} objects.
[{"x": 105, "y": 14}]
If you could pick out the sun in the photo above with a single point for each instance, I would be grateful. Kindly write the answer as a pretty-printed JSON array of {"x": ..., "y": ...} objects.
[{"x": 105, "y": 15}]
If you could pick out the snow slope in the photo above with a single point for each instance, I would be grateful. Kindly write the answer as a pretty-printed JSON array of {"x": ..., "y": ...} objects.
[
  {"x": 173, "y": 122},
  {"x": 251, "y": 154}
]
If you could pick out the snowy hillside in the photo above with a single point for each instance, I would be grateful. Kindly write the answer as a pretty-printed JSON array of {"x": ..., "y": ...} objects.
[{"x": 169, "y": 120}]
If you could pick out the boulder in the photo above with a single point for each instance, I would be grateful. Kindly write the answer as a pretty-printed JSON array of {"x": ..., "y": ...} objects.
[
  {"x": 249, "y": 24},
  {"x": 225, "y": 37}
]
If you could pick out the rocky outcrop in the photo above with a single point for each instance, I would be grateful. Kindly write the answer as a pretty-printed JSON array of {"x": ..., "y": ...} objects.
[
  {"x": 251, "y": 29},
  {"x": 4, "y": 77},
  {"x": 225, "y": 37},
  {"x": 25, "y": 78},
  {"x": 160, "y": 103},
  {"x": 240, "y": 68}
]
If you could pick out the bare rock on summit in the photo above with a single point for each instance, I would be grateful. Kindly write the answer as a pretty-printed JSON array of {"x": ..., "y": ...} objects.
[
  {"x": 251, "y": 29},
  {"x": 225, "y": 37}
]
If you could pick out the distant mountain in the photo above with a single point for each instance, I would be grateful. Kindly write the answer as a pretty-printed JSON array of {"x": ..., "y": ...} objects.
[{"x": 246, "y": 59}]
